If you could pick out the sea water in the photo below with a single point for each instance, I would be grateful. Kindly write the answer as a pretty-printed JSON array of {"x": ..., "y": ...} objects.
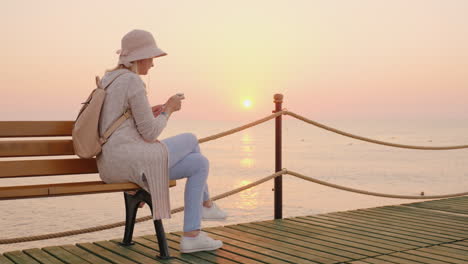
[{"x": 244, "y": 157}]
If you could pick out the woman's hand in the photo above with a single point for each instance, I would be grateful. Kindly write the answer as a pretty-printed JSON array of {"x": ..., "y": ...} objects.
[
  {"x": 157, "y": 109},
  {"x": 173, "y": 104}
]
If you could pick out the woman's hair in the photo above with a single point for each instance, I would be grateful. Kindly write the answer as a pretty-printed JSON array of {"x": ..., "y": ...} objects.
[{"x": 133, "y": 68}]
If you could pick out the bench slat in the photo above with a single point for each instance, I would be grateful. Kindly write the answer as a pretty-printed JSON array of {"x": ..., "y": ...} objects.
[
  {"x": 35, "y": 128},
  {"x": 27, "y": 168},
  {"x": 25, "y": 148},
  {"x": 62, "y": 189}
]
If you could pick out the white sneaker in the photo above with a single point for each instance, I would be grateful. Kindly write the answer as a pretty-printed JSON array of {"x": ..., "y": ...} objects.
[
  {"x": 213, "y": 213},
  {"x": 202, "y": 242}
]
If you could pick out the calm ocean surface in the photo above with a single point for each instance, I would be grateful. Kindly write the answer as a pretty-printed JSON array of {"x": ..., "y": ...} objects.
[{"x": 244, "y": 157}]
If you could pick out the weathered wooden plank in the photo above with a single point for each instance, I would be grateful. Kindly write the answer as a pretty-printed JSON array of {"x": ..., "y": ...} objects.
[
  {"x": 222, "y": 252},
  {"x": 404, "y": 226},
  {"x": 126, "y": 252},
  {"x": 380, "y": 230},
  {"x": 86, "y": 255},
  {"x": 42, "y": 257},
  {"x": 202, "y": 255},
  {"x": 369, "y": 232},
  {"x": 35, "y": 128},
  {"x": 266, "y": 254},
  {"x": 417, "y": 258},
  {"x": 313, "y": 255},
  {"x": 447, "y": 251},
  {"x": 432, "y": 214},
  {"x": 62, "y": 189},
  {"x": 105, "y": 254},
  {"x": 252, "y": 251},
  {"x": 388, "y": 225},
  {"x": 394, "y": 259},
  {"x": 64, "y": 255},
  {"x": 5, "y": 260},
  {"x": 20, "y": 257},
  {"x": 433, "y": 255},
  {"x": 338, "y": 233},
  {"x": 329, "y": 248},
  {"x": 28, "y": 168},
  {"x": 146, "y": 246},
  {"x": 283, "y": 229},
  {"x": 420, "y": 220},
  {"x": 26, "y": 148}
]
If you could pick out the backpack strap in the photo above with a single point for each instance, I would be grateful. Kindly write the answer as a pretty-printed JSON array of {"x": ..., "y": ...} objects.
[
  {"x": 115, "y": 125},
  {"x": 121, "y": 119}
]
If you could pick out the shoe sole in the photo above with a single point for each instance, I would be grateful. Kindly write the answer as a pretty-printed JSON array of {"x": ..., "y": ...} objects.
[{"x": 199, "y": 249}]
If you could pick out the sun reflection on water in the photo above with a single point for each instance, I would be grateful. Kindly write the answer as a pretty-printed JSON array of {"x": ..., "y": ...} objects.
[
  {"x": 247, "y": 150},
  {"x": 248, "y": 198}
]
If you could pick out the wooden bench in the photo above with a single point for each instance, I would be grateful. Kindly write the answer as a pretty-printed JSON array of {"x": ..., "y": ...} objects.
[{"x": 38, "y": 146}]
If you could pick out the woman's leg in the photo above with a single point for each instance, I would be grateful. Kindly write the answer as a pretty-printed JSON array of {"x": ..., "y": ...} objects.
[
  {"x": 195, "y": 168},
  {"x": 180, "y": 146}
]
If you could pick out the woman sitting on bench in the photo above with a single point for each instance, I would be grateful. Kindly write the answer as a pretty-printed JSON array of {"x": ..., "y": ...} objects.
[{"x": 133, "y": 152}]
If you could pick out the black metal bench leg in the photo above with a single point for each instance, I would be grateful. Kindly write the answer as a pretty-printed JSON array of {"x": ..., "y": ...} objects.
[
  {"x": 131, "y": 207},
  {"x": 159, "y": 228},
  {"x": 161, "y": 235}
]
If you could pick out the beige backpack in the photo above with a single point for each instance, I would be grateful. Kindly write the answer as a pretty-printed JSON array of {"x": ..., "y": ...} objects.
[{"x": 87, "y": 141}]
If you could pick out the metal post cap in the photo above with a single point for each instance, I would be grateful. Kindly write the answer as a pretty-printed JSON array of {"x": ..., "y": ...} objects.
[{"x": 278, "y": 98}]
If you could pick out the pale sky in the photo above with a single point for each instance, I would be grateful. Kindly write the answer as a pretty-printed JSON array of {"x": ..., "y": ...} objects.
[{"x": 330, "y": 58}]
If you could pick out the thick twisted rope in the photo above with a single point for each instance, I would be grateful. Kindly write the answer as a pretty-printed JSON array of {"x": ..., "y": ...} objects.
[
  {"x": 368, "y": 139},
  {"x": 237, "y": 129},
  {"x": 336, "y": 186}
]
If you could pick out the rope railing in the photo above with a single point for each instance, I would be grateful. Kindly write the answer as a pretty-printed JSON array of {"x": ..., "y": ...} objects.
[
  {"x": 265, "y": 179},
  {"x": 221, "y": 196},
  {"x": 334, "y": 130}
]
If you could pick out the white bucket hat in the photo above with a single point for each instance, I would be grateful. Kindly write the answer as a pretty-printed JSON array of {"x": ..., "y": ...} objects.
[{"x": 137, "y": 45}]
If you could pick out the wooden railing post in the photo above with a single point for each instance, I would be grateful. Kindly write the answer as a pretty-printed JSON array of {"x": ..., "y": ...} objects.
[{"x": 278, "y": 100}]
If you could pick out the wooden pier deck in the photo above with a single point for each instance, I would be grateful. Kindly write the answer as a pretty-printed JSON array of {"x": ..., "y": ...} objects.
[{"x": 426, "y": 232}]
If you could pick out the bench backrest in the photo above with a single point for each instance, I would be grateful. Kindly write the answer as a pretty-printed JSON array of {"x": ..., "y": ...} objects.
[{"x": 14, "y": 145}]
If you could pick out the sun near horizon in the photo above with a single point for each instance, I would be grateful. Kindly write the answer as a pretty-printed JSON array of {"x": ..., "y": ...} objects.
[{"x": 247, "y": 103}]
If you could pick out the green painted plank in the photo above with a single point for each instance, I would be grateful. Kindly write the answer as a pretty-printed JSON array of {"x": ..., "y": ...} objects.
[
  {"x": 390, "y": 245},
  {"x": 404, "y": 226},
  {"x": 105, "y": 254},
  {"x": 414, "y": 221},
  {"x": 418, "y": 216},
  {"x": 431, "y": 255},
  {"x": 64, "y": 255},
  {"x": 375, "y": 261},
  {"x": 418, "y": 258},
  {"x": 148, "y": 248},
  {"x": 42, "y": 256},
  {"x": 5, "y": 260},
  {"x": 453, "y": 219},
  {"x": 447, "y": 251},
  {"x": 86, "y": 255},
  {"x": 378, "y": 230},
  {"x": 369, "y": 232},
  {"x": 247, "y": 256},
  {"x": 219, "y": 252},
  {"x": 397, "y": 260},
  {"x": 419, "y": 219},
  {"x": 205, "y": 255},
  {"x": 283, "y": 249},
  {"x": 291, "y": 247},
  {"x": 389, "y": 227},
  {"x": 126, "y": 252},
  {"x": 253, "y": 251},
  {"x": 323, "y": 237},
  {"x": 19, "y": 257},
  {"x": 460, "y": 247},
  {"x": 333, "y": 246}
]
